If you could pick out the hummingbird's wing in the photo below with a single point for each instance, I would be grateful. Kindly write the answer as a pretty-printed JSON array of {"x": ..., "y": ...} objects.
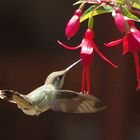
[{"x": 75, "y": 102}]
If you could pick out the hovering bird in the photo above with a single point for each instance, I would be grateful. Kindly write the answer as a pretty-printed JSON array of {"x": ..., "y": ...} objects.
[{"x": 49, "y": 96}]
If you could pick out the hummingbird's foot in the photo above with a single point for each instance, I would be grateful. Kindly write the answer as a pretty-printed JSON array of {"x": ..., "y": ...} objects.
[{"x": 84, "y": 92}]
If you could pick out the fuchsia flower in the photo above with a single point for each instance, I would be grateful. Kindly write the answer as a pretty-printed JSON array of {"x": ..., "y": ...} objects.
[
  {"x": 119, "y": 19},
  {"x": 87, "y": 49},
  {"x": 73, "y": 24},
  {"x": 131, "y": 43}
]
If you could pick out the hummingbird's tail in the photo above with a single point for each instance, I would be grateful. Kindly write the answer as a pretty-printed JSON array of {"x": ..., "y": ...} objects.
[
  {"x": 7, "y": 95},
  {"x": 22, "y": 102},
  {"x": 11, "y": 96}
]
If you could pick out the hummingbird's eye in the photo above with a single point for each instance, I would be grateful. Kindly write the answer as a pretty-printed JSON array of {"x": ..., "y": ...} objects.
[{"x": 60, "y": 77}]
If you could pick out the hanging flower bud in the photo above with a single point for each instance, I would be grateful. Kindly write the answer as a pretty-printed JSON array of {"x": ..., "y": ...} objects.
[
  {"x": 119, "y": 19},
  {"x": 73, "y": 24}
]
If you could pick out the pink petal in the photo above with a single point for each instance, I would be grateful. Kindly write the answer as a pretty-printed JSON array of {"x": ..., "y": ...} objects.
[
  {"x": 86, "y": 58},
  {"x": 136, "y": 33},
  {"x": 103, "y": 57},
  {"x": 68, "y": 47},
  {"x": 125, "y": 45},
  {"x": 86, "y": 51},
  {"x": 113, "y": 43},
  {"x": 133, "y": 44},
  {"x": 86, "y": 46}
]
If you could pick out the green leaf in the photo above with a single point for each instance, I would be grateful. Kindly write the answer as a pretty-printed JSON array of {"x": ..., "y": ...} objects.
[
  {"x": 107, "y": 7},
  {"x": 79, "y": 2},
  {"x": 119, "y": 1},
  {"x": 128, "y": 14},
  {"x": 136, "y": 5},
  {"x": 101, "y": 10},
  {"x": 82, "y": 1}
]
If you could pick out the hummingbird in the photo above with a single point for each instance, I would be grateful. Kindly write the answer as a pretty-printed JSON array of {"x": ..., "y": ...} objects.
[{"x": 50, "y": 96}]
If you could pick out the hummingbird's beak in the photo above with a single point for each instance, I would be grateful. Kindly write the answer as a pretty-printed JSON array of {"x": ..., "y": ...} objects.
[{"x": 71, "y": 66}]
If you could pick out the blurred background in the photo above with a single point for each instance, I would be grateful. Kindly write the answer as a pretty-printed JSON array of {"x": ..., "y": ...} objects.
[{"x": 29, "y": 51}]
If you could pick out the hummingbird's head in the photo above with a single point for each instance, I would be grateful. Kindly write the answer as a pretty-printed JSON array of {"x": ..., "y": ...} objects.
[{"x": 57, "y": 78}]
